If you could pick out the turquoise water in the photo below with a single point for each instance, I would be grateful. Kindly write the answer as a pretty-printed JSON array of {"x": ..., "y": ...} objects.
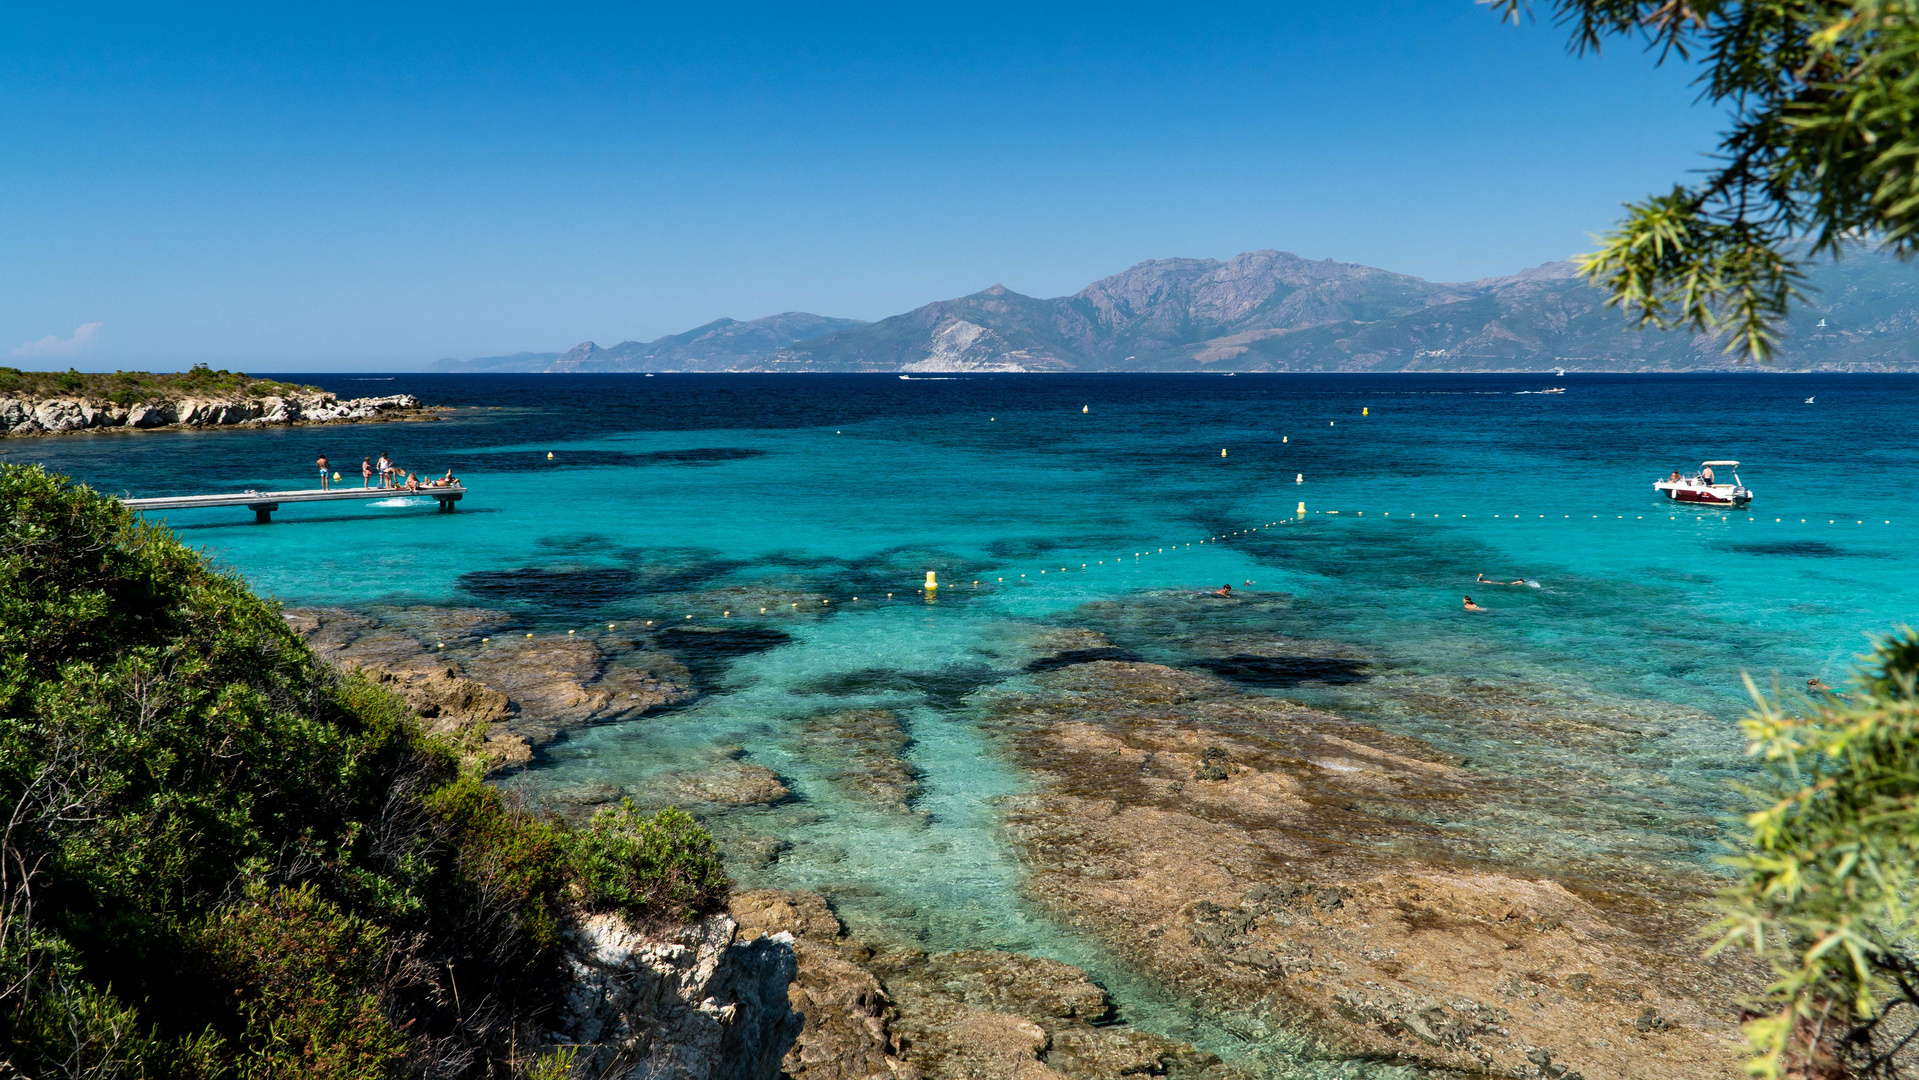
[{"x": 1617, "y": 678}]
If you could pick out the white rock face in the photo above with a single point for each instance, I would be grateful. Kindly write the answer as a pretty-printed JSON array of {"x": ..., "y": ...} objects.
[
  {"x": 696, "y": 1004},
  {"x": 54, "y": 415},
  {"x": 965, "y": 346}
]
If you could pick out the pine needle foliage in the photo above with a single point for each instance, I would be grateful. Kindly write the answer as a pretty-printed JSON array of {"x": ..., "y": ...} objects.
[
  {"x": 1819, "y": 154},
  {"x": 1829, "y": 889}
]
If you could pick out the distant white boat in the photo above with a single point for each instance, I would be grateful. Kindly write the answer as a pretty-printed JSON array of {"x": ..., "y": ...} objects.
[
  {"x": 1809, "y": 401},
  {"x": 1822, "y": 322},
  {"x": 1559, "y": 373}
]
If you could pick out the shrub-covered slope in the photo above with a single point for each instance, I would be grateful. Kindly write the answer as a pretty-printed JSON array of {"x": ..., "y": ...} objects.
[{"x": 224, "y": 858}]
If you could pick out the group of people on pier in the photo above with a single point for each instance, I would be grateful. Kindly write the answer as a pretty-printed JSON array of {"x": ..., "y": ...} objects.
[{"x": 390, "y": 475}]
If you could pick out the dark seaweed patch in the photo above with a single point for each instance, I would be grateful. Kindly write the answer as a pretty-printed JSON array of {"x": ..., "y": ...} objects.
[
  {"x": 1024, "y": 547},
  {"x": 708, "y": 456},
  {"x": 584, "y": 587},
  {"x": 1080, "y": 656},
  {"x": 536, "y": 460},
  {"x": 520, "y": 461},
  {"x": 1804, "y": 549},
  {"x": 946, "y": 688},
  {"x": 707, "y": 651},
  {"x": 1286, "y": 671}
]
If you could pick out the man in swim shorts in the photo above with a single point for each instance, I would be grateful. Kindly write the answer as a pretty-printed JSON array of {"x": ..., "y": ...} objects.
[{"x": 323, "y": 472}]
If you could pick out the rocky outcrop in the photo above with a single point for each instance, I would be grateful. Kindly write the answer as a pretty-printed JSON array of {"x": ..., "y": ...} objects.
[
  {"x": 701, "y": 1002},
  {"x": 904, "y": 1014},
  {"x": 54, "y": 416},
  {"x": 501, "y": 693},
  {"x": 865, "y": 748},
  {"x": 1293, "y": 869}
]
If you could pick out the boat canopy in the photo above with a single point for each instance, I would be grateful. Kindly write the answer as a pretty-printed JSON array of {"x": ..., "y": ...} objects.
[{"x": 1727, "y": 464}]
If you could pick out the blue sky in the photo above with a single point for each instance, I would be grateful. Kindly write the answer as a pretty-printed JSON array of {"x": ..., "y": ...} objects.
[{"x": 335, "y": 187}]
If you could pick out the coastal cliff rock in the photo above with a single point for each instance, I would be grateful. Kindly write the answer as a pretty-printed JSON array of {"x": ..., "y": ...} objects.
[
  {"x": 904, "y": 1014},
  {"x": 702, "y": 1002},
  {"x": 506, "y": 694},
  {"x": 1284, "y": 864},
  {"x": 59, "y": 415}
]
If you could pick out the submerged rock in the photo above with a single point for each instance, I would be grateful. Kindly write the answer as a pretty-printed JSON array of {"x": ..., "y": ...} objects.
[
  {"x": 701, "y": 1002},
  {"x": 864, "y": 748},
  {"x": 724, "y": 784},
  {"x": 1267, "y": 859}
]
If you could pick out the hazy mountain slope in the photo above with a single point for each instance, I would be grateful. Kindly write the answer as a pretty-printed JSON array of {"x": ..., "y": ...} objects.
[
  {"x": 523, "y": 361},
  {"x": 1274, "y": 311},
  {"x": 721, "y": 345}
]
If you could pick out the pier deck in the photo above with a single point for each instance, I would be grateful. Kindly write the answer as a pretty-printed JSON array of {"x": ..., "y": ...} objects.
[{"x": 264, "y": 503}]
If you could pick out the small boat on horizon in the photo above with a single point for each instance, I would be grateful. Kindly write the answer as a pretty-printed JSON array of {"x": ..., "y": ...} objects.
[{"x": 1701, "y": 487}]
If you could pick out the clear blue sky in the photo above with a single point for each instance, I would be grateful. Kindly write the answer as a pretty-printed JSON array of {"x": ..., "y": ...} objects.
[{"x": 312, "y": 187}]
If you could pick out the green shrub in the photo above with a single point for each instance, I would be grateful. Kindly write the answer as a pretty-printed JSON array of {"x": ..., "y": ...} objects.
[
  {"x": 167, "y": 744},
  {"x": 1830, "y": 879},
  {"x": 658, "y": 867},
  {"x": 305, "y": 975}
]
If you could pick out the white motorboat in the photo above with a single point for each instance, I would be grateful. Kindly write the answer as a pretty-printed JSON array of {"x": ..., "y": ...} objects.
[{"x": 1703, "y": 487}]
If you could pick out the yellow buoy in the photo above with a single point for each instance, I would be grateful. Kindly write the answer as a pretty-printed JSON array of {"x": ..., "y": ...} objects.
[
  {"x": 932, "y": 582},
  {"x": 549, "y": 455},
  {"x": 1362, "y": 411},
  {"x": 1222, "y": 451},
  {"x": 336, "y": 478},
  {"x": 1085, "y": 408},
  {"x": 1302, "y": 509},
  {"x": 1282, "y": 438},
  {"x": 1299, "y": 478}
]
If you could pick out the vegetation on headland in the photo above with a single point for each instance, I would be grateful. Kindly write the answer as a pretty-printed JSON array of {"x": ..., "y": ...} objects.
[
  {"x": 1829, "y": 889},
  {"x": 1819, "y": 96},
  {"x": 222, "y": 858},
  {"x": 133, "y": 387}
]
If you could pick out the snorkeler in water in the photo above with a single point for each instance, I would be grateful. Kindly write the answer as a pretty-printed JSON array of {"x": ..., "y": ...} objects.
[{"x": 1484, "y": 580}]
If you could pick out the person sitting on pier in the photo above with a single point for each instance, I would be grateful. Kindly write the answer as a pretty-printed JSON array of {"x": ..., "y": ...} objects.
[
  {"x": 449, "y": 480},
  {"x": 412, "y": 482}
]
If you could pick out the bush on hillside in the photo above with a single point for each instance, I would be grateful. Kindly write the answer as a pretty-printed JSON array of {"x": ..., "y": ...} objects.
[
  {"x": 662, "y": 866},
  {"x": 1830, "y": 880},
  {"x": 223, "y": 858}
]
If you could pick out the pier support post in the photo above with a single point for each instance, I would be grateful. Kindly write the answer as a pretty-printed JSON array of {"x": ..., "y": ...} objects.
[
  {"x": 447, "y": 501},
  {"x": 263, "y": 512}
]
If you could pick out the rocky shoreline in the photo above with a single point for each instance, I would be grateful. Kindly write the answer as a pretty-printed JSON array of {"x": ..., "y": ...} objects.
[
  {"x": 61, "y": 415},
  {"x": 1298, "y": 877}
]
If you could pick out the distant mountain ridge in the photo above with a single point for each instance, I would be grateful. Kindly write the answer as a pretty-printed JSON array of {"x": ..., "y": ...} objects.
[{"x": 1274, "y": 311}]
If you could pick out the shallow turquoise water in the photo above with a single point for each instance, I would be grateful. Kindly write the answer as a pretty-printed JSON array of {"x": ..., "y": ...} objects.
[{"x": 681, "y": 496}]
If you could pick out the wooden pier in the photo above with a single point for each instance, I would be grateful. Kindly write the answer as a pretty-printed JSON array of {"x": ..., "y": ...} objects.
[{"x": 264, "y": 503}]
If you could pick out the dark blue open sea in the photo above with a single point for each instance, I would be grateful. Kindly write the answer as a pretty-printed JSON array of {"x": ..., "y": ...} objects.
[{"x": 1082, "y": 500}]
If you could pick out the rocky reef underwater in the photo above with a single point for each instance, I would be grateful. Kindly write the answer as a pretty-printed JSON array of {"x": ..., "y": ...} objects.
[{"x": 1173, "y": 835}]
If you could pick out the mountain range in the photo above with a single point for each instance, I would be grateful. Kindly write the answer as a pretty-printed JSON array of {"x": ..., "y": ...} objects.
[{"x": 1274, "y": 311}]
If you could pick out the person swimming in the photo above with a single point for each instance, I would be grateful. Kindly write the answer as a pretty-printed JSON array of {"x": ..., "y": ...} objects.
[
  {"x": 1484, "y": 580},
  {"x": 1470, "y": 606},
  {"x": 1223, "y": 590}
]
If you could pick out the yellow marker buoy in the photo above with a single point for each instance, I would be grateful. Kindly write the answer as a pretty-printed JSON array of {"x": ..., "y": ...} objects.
[
  {"x": 1299, "y": 478},
  {"x": 336, "y": 478},
  {"x": 1085, "y": 408},
  {"x": 549, "y": 455},
  {"x": 1329, "y": 423},
  {"x": 762, "y": 611},
  {"x": 728, "y": 614},
  {"x": 1222, "y": 451},
  {"x": 1283, "y": 438},
  {"x": 569, "y": 633},
  {"x": 609, "y": 626},
  {"x": 1362, "y": 411},
  {"x": 529, "y": 635},
  {"x": 933, "y": 582}
]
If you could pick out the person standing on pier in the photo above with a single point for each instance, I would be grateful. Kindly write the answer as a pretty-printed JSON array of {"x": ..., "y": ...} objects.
[
  {"x": 386, "y": 469},
  {"x": 366, "y": 472},
  {"x": 323, "y": 472}
]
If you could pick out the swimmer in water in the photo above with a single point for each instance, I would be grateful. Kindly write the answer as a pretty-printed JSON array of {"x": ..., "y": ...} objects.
[
  {"x": 1484, "y": 580},
  {"x": 1470, "y": 606},
  {"x": 1223, "y": 590},
  {"x": 1813, "y": 685}
]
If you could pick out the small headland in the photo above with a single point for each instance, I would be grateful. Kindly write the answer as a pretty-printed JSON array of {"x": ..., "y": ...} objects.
[{"x": 60, "y": 402}]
